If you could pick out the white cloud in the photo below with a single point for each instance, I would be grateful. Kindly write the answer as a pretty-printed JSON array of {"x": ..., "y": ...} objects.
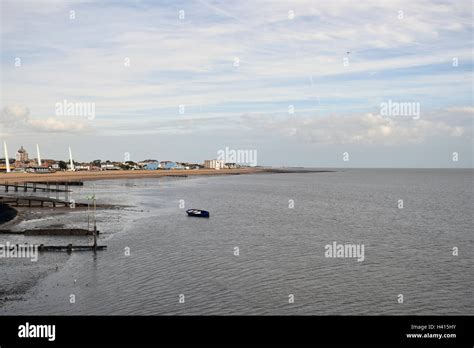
[
  {"x": 17, "y": 117},
  {"x": 366, "y": 129},
  {"x": 463, "y": 109},
  {"x": 190, "y": 62},
  {"x": 51, "y": 124}
]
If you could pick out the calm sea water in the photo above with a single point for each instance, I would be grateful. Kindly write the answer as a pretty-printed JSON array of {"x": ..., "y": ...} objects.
[{"x": 408, "y": 251}]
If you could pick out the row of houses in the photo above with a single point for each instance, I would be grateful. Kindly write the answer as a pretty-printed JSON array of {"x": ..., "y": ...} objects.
[
  {"x": 219, "y": 164},
  {"x": 23, "y": 163},
  {"x": 208, "y": 164},
  {"x": 52, "y": 166},
  {"x": 168, "y": 165}
]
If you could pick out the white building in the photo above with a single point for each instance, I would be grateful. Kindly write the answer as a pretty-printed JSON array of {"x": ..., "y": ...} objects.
[
  {"x": 108, "y": 166},
  {"x": 214, "y": 164}
]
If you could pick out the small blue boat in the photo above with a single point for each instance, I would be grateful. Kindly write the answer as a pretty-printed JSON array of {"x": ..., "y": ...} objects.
[{"x": 198, "y": 213}]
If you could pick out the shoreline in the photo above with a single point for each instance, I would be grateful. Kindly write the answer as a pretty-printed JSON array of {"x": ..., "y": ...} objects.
[
  {"x": 118, "y": 174},
  {"x": 140, "y": 174}
]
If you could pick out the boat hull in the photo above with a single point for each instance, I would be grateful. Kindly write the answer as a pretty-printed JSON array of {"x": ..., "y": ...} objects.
[{"x": 197, "y": 213}]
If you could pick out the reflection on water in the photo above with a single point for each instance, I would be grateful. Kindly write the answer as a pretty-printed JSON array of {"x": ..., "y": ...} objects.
[{"x": 281, "y": 250}]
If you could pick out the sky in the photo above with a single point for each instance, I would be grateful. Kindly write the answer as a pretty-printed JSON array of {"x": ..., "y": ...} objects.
[{"x": 301, "y": 83}]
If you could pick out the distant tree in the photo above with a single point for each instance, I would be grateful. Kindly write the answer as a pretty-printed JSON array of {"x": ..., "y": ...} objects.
[
  {"x": 62, "y": 165},
  {"x": 124, "y": 166},
  {"x": 96, "y": 163}
]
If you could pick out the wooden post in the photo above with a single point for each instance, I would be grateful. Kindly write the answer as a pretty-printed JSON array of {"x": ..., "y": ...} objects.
[
  {"x": 95, "y": 229},
  {"x": 88, "y": 216}
]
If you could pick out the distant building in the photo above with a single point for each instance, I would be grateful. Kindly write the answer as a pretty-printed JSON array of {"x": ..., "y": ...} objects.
[
  {"x": 47, "y": 163},
  {"x": 21, "y": 158},
  {"x": 183, "y": 165},
  {"x": 109, "y": 166},
  {"x": 214, "y": 164},
  {"x": 168, "y": 165},
  {"x": 82, "y": 167},
  {"x": 3, "y": 164},
  {"x": 38, "y": 169},
  {"x": 152, "y": 166},
  {"x": 22, "y": 155}
]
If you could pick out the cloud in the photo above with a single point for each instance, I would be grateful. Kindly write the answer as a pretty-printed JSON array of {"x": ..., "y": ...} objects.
[
  {"x": 17, "y": 117},
  {"x": 13, "y": 116},
  {"x": 462, "y": 109},
  {"x": 55, "y": 125},
  {"x": 365, "y": 129},
  {"x": 282, "y": 62}
]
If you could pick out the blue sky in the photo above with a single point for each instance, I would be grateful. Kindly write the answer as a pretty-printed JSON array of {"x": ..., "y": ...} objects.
[{"x": 290, "y": 53}]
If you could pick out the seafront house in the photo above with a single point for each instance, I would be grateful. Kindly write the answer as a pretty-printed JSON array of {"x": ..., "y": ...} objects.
[
  {"x": 214, "y": 164},
  {"x": 152, "y": 166},
  {"x": 168, "y": 165}
]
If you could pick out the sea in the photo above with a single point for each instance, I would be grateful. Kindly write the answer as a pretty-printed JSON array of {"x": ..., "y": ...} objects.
[{"x": 264, "y": 249}]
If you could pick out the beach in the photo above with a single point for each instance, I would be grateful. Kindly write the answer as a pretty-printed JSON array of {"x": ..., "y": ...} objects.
[{"x": 118, "y": 174}]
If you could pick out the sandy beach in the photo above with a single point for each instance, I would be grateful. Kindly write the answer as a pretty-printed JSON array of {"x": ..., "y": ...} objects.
[{"x": 117, "y": 174}]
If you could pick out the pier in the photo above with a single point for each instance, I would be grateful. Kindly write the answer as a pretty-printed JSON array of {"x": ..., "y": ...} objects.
[
  {"x": 25, "y": 186},
  {"x": 33, "y": 201},
  {"x": 52, "y": 232},
  {"x": 70, "y": 248}
]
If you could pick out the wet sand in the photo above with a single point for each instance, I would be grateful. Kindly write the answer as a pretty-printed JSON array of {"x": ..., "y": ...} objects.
[{"x": 117, "y": 174}]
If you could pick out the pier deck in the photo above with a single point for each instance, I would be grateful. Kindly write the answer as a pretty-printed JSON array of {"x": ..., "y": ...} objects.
[
  {"x": 33, "y": 201},
  {"x": 25, "y": 186}
]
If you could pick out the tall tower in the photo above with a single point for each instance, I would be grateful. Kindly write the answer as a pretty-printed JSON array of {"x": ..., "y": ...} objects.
[
  {"x": 70, "y": 159},
  {"x": 38, "y": 152},
  {"x": 22, "y": 155},
  {"x": 7, "y": 160}
]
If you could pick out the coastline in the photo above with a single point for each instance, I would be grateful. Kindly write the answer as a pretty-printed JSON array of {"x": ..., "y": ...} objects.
[
  {"x": 138, "y": 174},
  {"x": 119, "y": 174}
]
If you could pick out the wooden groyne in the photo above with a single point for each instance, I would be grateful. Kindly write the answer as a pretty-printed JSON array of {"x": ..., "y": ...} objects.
[
  {"x": 60, "y": 183},
  {"x": 52, "y": 232},
  {"x": 33, "y": 201},
  {"x": 25, "y": 186},
  {"x": 70, "y": 248}
]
